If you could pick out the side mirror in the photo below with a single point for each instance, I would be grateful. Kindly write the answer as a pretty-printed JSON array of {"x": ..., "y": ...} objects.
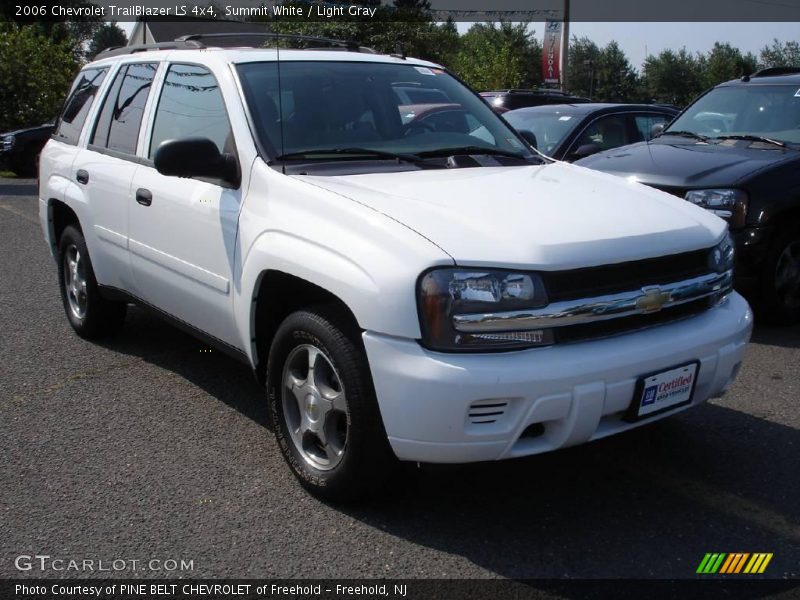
[
  {"x": 195, "y": 157},
  {"x": 586, "y": 150},
  {"x": 656, "y": 129},
  {"x": 530, "y": 137}
]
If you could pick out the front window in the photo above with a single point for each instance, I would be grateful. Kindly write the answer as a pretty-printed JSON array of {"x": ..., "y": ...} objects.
[
  {"x": 769, "y": 111},
  {"x": 381, "y": 108}
]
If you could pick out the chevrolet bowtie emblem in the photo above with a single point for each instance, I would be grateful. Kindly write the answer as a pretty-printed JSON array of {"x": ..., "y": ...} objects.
[{"x": 652, "y": 299}]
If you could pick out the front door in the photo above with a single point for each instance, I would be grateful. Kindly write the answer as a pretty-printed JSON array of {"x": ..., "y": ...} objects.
[{"x": 183, "y": 231}]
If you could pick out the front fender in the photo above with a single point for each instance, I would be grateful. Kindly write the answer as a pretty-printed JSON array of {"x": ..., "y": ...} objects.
[{"x": 367, "y": 260}]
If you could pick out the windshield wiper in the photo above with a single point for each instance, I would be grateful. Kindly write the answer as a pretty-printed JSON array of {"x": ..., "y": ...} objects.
[
  {"x": 470, "y": 150},
  {"x": 354, "y": 152},
  {"x": 690, "y": 134},
  {"x": 751, "y": 138}
]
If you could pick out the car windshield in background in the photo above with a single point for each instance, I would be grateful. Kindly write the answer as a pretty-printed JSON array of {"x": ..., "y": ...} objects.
[
  {"x": 764, "y": 111},
  {"x": 549, "y": 128},
  {"x": 383, "y": 109}
]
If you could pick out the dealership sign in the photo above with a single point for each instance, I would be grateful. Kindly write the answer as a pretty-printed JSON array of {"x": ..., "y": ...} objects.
[{"x": 551, "y": 53}]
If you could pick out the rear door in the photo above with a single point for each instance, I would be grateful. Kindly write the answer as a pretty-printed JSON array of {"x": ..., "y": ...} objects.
[
  {"x": 106, "y": 166},
  {"x": 183, "y": 236}
]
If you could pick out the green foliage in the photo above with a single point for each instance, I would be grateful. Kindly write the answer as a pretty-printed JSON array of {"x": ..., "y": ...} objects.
[
  {"x": 786, "y": 54},
  {"x": 672, "y": 77},
  {"x": 108, "y": 36},
  {"x": 500, "y": 56},
  {"x": 582, "y": 66},
  {"x": 73, "y": 33},
  {"x": 603, "y": 74},
  {"x": 35, "y": 75},
  {"x": 723, "y": 63}
]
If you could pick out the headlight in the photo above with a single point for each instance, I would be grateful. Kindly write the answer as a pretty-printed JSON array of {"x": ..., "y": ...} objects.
[
  {"x": 446, "y": 293},
  {"x": 730, "y": 205},
  {"x": 8, "y": 142},
  {"x": 722, "y": 256}
]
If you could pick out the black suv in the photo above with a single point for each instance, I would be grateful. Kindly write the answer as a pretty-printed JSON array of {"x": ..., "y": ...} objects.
[
  {"x": 505, "y": 100},
  {"x": 736, "y": 152}
]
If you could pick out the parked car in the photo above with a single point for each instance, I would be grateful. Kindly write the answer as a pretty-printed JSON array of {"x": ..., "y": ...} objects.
[
  {"x": 502, "y": 101},
  {"x": 19, "y": 150},
  {"x": 573, "y": 131},
  {"x": 402, "y": 292},
  {"x": 736, "y": 152}
]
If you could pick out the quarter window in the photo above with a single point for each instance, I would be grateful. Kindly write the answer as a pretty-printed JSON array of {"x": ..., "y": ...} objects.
[
  {"x": 121, "y": 117},
  {"x": 191, "y": 105},
  {"x": 78, "y": 104}
]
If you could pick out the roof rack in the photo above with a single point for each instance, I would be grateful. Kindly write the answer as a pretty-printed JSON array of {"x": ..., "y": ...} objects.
[
  {"x": 776, "y": 71},
  {"x": 347, "y": 45},
  {"x": 122, "y": 50},
  {"x": 197, "y": 41}
]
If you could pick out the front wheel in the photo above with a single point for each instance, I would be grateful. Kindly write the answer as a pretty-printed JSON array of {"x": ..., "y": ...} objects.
[
  {"x": 780, "y": 286},
  {"x": 323, "y": 407}
]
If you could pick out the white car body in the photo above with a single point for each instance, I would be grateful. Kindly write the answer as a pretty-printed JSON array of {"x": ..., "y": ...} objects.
[{"x": 199, "y": 252}]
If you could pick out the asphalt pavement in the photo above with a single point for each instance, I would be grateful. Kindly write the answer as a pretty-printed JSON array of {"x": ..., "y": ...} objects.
[{"x": 150, "y": 447}]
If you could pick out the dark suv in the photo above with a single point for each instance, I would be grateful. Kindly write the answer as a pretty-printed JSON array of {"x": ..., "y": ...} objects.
[
  {"x": 736, "y": 152},
  {"x": 19, "y": 150},
  {"x": 504, "y": 100}
]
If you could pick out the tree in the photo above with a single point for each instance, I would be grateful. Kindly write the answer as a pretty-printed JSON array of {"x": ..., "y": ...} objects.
[
  {"x": 786, "y": 54},
  {"x": 617, "y": 80},
  {"x": 672, "y": 77},
  {"x": 74, "y": 32},
  {"x": 724, "y": 62},
  {"x": 500, "y": 56},
  {"x": 407, "y": 24},
  {"x": 108, "y": 36},
  {"x": 582, "y": 66},
  {"x": 35, "y": 75}
]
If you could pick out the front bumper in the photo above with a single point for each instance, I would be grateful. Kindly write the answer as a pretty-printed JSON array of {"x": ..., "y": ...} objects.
[{"x": 432, "y": 403}]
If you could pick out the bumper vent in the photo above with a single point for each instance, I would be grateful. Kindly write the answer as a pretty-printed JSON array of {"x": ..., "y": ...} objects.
[{"x": 483, "y": 412}]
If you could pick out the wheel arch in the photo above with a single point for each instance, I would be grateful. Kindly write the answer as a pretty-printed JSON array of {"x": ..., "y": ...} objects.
[
  {"x": 59, "y": 216},
  {"x": 278, "y": 294}
]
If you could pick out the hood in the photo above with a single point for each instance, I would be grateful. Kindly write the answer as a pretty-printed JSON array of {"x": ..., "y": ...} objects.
[
  {"x": 554, "y": 216},
  {"x": 690, "y": 164}
]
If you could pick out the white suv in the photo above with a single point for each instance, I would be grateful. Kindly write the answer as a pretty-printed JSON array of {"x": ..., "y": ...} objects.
[{"x": 409, "y": 281}]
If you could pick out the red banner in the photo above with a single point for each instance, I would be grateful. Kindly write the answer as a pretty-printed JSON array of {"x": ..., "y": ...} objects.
[{"x": 551, "y": 52}]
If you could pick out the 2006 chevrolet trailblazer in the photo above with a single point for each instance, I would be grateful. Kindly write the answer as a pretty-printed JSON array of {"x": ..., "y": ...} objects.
[{"x": 410, "y": 281}]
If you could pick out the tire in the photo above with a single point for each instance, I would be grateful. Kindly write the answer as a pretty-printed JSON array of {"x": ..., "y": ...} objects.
[
  {"x": 328, "y": 426},
  {"x": 90, "y": 315},
  {"x": 779, "y": 299}
]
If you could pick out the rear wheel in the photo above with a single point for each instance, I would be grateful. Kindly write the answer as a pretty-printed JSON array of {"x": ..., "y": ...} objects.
[
  {"x": 90, "y": 315},
  {"x": 323, "y": 407},
  {"x": 780, "y": 285}
]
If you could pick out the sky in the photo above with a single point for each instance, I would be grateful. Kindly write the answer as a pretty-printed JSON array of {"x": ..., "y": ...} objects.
[{"x": 639, "y": 39}]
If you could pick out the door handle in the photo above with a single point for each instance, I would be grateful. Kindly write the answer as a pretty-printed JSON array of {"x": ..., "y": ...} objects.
[
  {"x": 82, "y": 176},
  {"x": 144, "y": 197}
]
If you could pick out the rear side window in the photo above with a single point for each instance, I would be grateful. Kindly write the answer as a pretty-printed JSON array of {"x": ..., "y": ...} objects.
[
  {"x": 118, "y": 126},
  {"x": 78, "y": 104},
  {"x": 645, "y": 123},
  {"x": 191, "y": 105}
]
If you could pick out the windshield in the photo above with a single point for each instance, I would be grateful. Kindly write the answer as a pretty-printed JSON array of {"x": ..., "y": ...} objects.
[
  {"x": 549, "y": 128},
  {"x": 771, "y": 111},
  {"x": 378, "y": 107}
]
